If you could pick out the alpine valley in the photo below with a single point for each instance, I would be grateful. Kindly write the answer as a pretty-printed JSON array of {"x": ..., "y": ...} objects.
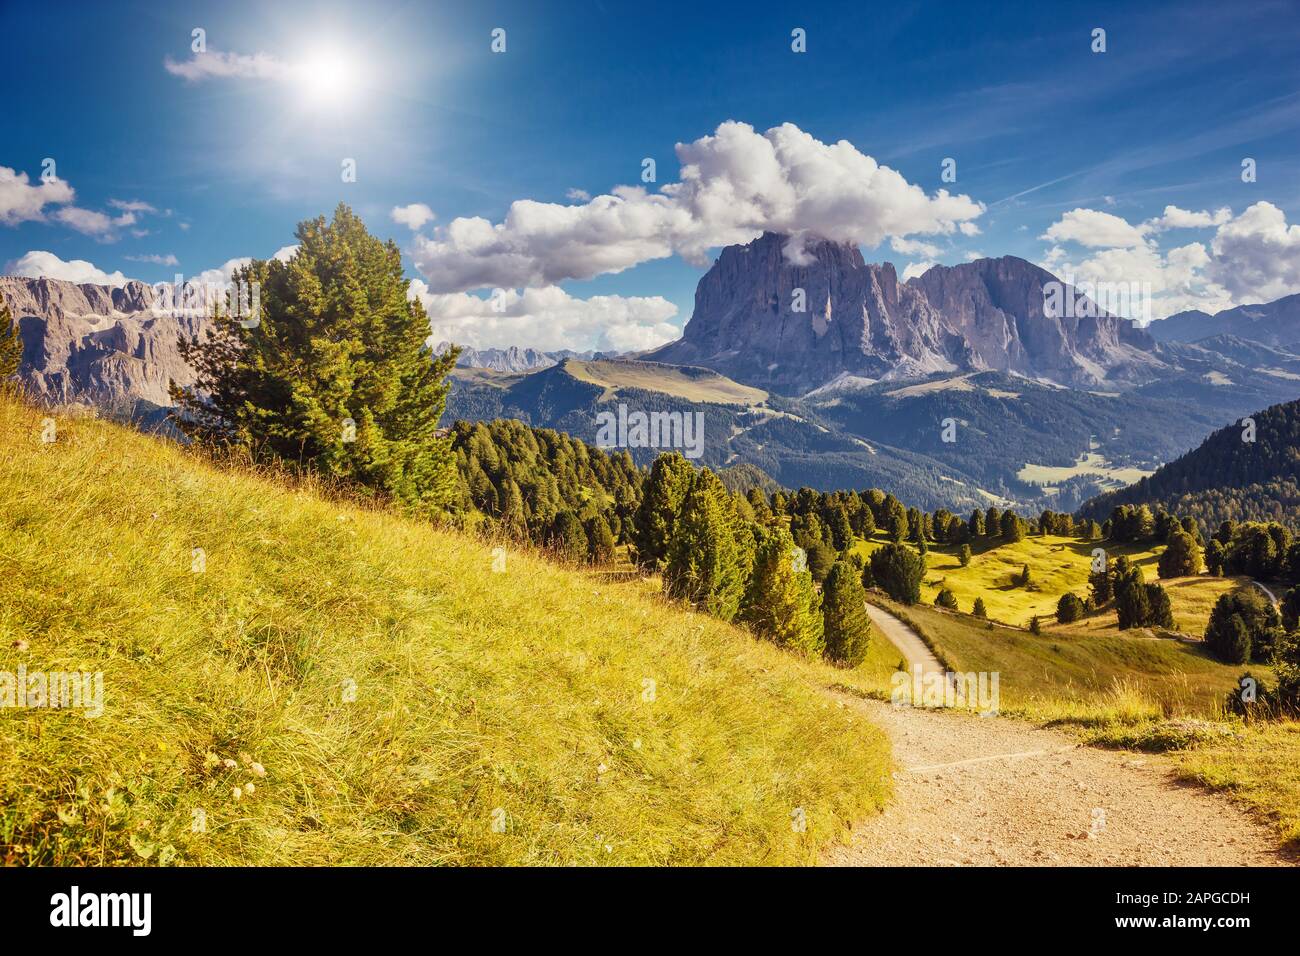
[{"x": 955, "y": 388}]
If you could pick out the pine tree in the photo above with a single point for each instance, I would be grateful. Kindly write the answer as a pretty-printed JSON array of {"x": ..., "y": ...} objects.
[
  {"x": 1160, "y": 612},
  {"x": 846, "y": 625},
  {"x": 600, "y": 540},
  {"x": 11, "y": 346},
  {"x": 1180, "y": 558},
  {"x": 945, "y": 598},
  {"x": 963, "y": 555},
  {"x": 568, "y": 539},
  {"x": 781, "y": 603},
  {"x": 1069, "y": 608},
  {"x": 665, "y": 490},
  {"x": 335, "y": 376},
  {"x": 898, "y": 570},
  {"x": 709, "y": 556},
  {"x": 978, "y": 609}
]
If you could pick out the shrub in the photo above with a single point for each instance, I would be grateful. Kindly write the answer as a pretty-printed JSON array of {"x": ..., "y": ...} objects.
[
  {"x": 947, "y": 599},
  {"x": 1260, "y": 627},
  {"x": 1069, "y": 608}
]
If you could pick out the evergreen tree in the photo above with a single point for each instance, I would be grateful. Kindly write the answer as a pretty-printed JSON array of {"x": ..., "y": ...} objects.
[
  {"x": 335, "y": 375},
  {"x": 568, "y": 539},
  {"x": 895, "y": 519},
  {"x": 1069, "y": 608},
  {"x": 1159, "y": 611},
  {"x": 1291, "y": 609},
  {"x": 1131, "y": 606},
  {"x": 11, "y": 346},
  {"x": 820, "y": 559},
  {"x": 1013, "y": 527},
  {"x": 978, "y": 609},
  {"x": 709, "y": 556},
  {"x": 963, "y": 555},
  {"x": 945, "y": 598},
  {"x": 600, "y": 540},
  {"x": 656, "y": 517},
  {"x": 898, "y": 570},
  {"x": 1023, "y": 578},
  {"x": 781, "y": 604},
  {"x": 976, "y": 523},
  {"x": 1034, "y": 626},
  {"x": 846, "y": 626},
  {"x": 1181, "y": 557},
  {"x": 1214, "y": 557},
  {"x": 1263, "y": 627}
]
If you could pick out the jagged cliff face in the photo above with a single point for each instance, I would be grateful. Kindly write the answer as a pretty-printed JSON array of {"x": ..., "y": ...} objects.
[
  {"x": 859, "y": 320},
  {"x": 997, "y": 307},
  {"x": 92, "y": 344}
]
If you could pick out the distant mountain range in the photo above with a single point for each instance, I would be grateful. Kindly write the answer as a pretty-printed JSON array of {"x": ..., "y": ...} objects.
[
  {"x": 1275, "y": 324},
  {"x": 850, "y": 389},
  {"x": 515, "y": 359}
]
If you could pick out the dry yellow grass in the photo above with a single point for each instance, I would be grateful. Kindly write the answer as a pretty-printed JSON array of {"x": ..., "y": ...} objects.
[{"x": 400, "y": 695}]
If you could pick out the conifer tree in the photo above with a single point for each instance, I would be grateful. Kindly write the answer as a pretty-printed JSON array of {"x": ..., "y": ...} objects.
[
  {"x": 781, "y": 603},
  {"x": 665, "y": 490},
  {"x": 600, "y": 540},
  {"x": 846, "y": 626},
  {"x": 978, "y": 609},
  {"x": 898, "y": 570},
  {"x": 334, "y": 375},
  {"x": 11, "y": 346},
  {"x": 709, "y": 556},
  {"x": 1181, "y": 557}
]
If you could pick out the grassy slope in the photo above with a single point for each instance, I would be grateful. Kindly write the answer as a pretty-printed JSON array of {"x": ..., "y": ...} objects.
[
  {"x": 696, "y": 385},
  {"x": 475, "y": 690},
  {"x": 1056, "y": 565}
]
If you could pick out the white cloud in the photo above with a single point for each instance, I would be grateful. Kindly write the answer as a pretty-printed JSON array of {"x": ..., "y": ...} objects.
[
  {"x": 1095, "y": 229},
  {"x": 734, "y": 185},
  {"x": 134, "y": 205},
  {"x": 578, "y": 195},
  {"x": 914, "y": 269},
  {"x": 20, "y": 201},
  {"x": 156, "y": 259},
  {"x": 413, "y": 216},
  {"x": 224, "y": 273},
  {"x": 548, "y": 318},
  {"x": 38, "y": 264},
  {"x": 1175, "y": 218},
  {"x": 1257, "y": 255},
  {"x": 202, "y": 66},
  {"x": 914, "y": 247},
  {"x": 1253, "y": 257}
]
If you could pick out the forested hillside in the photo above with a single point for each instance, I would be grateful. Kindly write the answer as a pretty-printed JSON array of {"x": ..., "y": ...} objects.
[{"x": 1239, "y": 473}]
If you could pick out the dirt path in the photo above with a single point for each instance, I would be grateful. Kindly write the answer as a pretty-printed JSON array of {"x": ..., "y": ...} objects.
[{"x": 990, "y": 791}]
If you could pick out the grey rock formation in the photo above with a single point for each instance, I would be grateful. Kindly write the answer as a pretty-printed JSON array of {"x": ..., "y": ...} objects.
[
  {"x": 96, "y": 345},
  {"x": 859, "y": 320}
]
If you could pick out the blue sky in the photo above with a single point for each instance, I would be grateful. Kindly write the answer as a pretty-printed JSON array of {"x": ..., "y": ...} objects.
[{"x": 1060, "y": 149}]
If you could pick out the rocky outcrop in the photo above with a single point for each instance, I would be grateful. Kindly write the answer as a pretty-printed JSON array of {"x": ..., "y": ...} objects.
[
  {"x": 858, "y": 320},
  {"x": 97, "y": 345}
]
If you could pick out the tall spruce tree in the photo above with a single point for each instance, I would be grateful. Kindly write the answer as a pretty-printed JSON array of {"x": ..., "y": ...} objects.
[
  {"x": 656, "y": 517},
  {"x": 781, "y": 603},
  {"x": 846, "y": 626},
  {"x": 335, "y": 375},
  {"x": 709, "y": 556}
]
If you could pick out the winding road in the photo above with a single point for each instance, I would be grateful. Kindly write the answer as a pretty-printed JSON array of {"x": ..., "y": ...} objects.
[{"x": 991, "y": 791}]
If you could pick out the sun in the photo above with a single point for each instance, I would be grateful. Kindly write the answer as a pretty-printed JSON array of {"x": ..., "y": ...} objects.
[{"x": 328, "y": 78}]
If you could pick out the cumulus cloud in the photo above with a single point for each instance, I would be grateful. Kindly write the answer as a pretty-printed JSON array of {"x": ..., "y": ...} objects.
[
  {"x": 578, "y": 195},
  {"x": 224, "y": 273},
  {"x": 734, "y": 185},
  {"x": 914, "y": 269},
  {"x": 156, "y": 259},
  {"x": 413, "y": 216},
  {"x": 21, "y": 201},
  {"x": 214, "y": 64},
  {"x": 914, "y": 247},
  {"x": 547, "y": 318},
  {"x": 1252, "y": 257},
  {"x": 1095, "y": 229},
  {"x": 1257, "y": 255},
  {"x": 38, "y": 264}
]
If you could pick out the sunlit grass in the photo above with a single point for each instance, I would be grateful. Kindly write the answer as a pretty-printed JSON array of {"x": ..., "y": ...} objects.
[{"x": 520, "y": 698}]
